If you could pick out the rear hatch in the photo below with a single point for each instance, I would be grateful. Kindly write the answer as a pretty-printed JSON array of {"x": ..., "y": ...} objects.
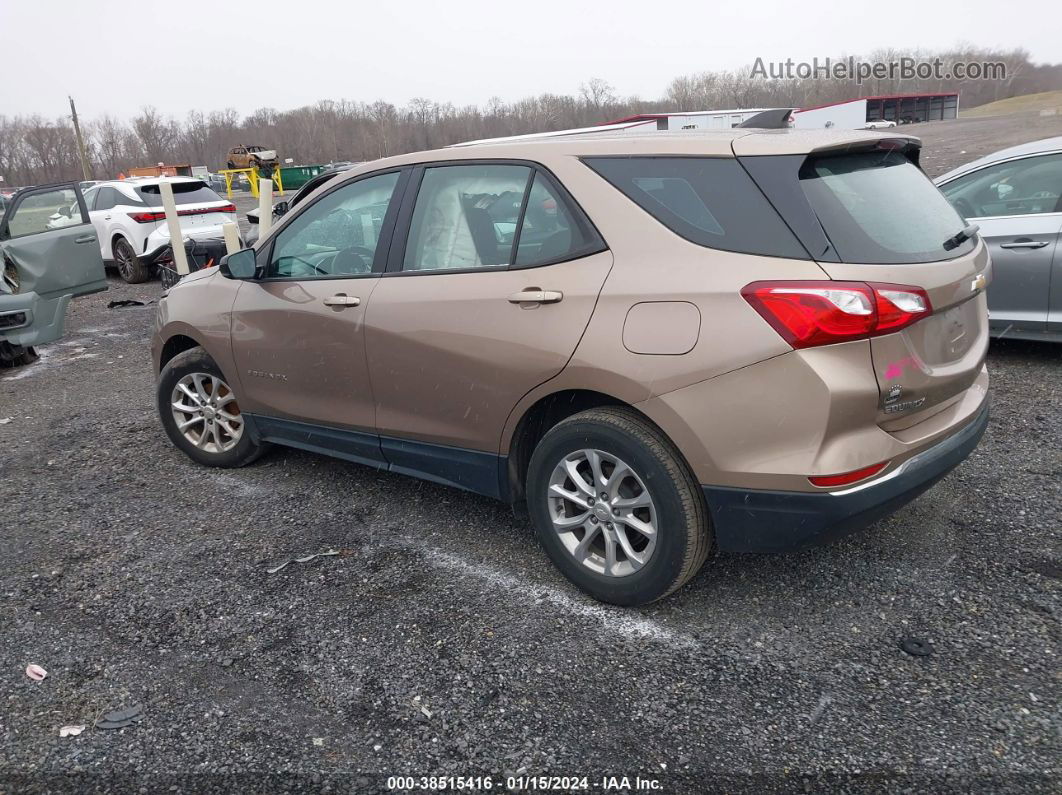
[
  {"x": 198, "y": 206},
  {"x": 867, "y": 214}
]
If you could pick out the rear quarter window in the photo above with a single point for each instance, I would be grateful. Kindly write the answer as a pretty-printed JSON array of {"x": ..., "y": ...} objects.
[{"x": 710, "y": 201}]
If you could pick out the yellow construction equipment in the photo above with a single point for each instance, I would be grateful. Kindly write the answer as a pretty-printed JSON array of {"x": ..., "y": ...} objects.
[{"x": 253, "y": 176}]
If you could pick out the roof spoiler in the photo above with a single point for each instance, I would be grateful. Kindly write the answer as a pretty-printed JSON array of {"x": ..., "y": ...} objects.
[{"x": 773, "y": 119}]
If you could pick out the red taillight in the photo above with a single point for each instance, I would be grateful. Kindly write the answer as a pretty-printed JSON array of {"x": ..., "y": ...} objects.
[
  {"x": 147, "y": 218},
  {"x": 848, "y": 477},
  {"x": 810, "y": 313}
]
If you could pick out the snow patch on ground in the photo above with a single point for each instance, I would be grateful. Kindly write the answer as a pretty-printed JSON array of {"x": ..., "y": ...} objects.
[{"x": 615, "y": 620}]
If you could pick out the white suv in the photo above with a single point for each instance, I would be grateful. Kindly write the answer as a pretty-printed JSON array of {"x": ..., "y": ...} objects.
[{"x": 131, "y": 225}]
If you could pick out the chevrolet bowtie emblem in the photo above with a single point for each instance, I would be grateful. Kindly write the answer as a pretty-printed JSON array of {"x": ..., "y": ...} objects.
[{"x": 978, "y": 283}]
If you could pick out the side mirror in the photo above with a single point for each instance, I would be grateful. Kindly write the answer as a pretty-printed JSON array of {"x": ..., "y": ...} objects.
[
  {"x": 280, "y": 208},
  {"x": 239, "y": 265},
  {"x": 67, "y": 212}
]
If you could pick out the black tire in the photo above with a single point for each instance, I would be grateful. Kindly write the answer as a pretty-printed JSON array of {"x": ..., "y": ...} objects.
[
  {"x": 130, "y": 267},
  {"x": 684, "y": 533},
  {"x": 192, "y": 361},
  {"x": 16, "y": 355},
  {"x": 231, "y": 165}
]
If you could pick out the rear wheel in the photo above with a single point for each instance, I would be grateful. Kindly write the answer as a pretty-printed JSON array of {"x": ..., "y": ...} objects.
[
  {"x": 130, "y": 267},
  {"x": 616, "y": 508},
  {"x": 201, "y": 414}
]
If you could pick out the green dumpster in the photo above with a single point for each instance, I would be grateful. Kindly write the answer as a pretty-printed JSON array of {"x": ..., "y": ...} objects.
[{"x": 295, "y": 177}]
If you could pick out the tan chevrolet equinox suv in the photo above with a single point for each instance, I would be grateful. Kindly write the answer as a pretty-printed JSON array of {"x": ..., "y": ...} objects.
[{"x": 660, "y": 345}]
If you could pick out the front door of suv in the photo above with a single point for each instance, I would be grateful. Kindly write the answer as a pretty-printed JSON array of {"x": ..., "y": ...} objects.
[
  {"x": 298, "y": 332},
  {"x": 492, "y": 279}
]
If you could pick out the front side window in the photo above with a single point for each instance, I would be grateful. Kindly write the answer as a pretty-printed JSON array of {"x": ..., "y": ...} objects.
[
  {"x": 878, "y": 207},
  {"x": 710, "y": 201},
  {"x": 337, "y": 235},
  {"x": 40, "y": 212},
  {"x": 1028, "y": 186}
]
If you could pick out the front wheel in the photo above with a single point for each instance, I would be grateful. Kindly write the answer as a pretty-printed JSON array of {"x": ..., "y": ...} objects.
[
  {"x": 616, "y": 508},
  {"x": 201, "y": 414}
]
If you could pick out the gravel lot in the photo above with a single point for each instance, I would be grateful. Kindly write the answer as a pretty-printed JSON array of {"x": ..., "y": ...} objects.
[{"x": 441, "y": 641}]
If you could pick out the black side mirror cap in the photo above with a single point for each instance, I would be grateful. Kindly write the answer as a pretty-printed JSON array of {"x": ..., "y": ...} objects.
[
  {"x": 280, "y": 208},
  {"x": 240, "y": 265}
]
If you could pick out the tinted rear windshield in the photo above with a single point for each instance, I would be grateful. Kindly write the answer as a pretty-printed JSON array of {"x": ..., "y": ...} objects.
[
  {"x": 711, "y": 201},
  {"x": 183, "y": 193},
  {"x": 878, "y": 207}
]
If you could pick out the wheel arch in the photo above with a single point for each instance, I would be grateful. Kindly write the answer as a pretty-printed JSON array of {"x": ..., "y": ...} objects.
[
  {"x": 175, "y": 344},
  {"x": 119, "y": 235},
  {"x": 543, "y": 414}
]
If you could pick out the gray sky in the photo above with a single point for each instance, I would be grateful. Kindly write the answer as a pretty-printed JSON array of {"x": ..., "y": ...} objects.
[{"x": 112, "y": 55}]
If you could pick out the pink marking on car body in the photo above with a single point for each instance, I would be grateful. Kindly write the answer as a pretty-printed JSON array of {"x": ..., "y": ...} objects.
[{"x": 895, "y": 369}]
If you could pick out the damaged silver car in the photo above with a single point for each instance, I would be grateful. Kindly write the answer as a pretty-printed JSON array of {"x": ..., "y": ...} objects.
[{"x": 43, "y": 267}]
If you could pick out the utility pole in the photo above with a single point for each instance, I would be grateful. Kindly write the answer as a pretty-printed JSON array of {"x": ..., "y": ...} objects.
[{"x": 80, "y": 142}]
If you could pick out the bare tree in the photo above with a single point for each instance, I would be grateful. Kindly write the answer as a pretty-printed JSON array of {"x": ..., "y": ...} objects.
[{"x": 33, "y": 150}]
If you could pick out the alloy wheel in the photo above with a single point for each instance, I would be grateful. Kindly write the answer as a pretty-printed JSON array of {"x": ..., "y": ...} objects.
[
  {"x": 602, "y": 512},
  {"x": 206, "y": 413},
  {"x": 123, "y": 256}
]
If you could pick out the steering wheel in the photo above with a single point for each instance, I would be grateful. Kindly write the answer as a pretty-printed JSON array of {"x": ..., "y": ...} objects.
[{"x": 364, "y": 264}]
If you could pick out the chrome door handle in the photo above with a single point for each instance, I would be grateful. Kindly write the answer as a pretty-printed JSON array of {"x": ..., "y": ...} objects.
[
  {"x": 536, "y": 296},
  {"x": 342, "y": 300},
  {"x": 1024, "y": 244},
  {"x": 85, "y": 239},
  {"x": 106, "y": 218}
]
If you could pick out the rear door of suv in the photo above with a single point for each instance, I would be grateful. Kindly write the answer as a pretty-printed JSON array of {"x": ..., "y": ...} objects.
[{"x": 491, "y": 281}]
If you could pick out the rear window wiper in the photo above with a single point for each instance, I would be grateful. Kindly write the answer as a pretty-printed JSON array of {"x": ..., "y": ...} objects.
[{"x": 960, "y": 237}]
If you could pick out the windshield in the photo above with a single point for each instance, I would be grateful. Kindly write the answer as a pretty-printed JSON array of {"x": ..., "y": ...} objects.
[
  {"x": 183, "y": 193},
  {"x": 878, "y": 207}
]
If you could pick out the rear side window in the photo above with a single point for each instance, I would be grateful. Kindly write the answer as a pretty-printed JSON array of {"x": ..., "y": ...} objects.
[
  {"x": 710, "y": 201},
  {"x": 108, "y": 197},
  {"x": 549, "y": 231},
  {"x": 465, "y": 217},
  {"x": 480, "y": 215},
  {"x": 183, "y": 193},
  {"x": 878, "y": 207}
]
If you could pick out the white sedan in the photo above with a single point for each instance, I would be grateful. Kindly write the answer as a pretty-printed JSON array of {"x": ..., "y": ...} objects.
[{"x": 879, "y": 124}]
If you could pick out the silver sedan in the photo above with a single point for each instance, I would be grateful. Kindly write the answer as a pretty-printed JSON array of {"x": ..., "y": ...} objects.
[{"x": 1015, "y": 197}]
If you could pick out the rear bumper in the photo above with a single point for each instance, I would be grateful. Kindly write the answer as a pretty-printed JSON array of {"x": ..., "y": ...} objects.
[{"x": 754, "y": 520}]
